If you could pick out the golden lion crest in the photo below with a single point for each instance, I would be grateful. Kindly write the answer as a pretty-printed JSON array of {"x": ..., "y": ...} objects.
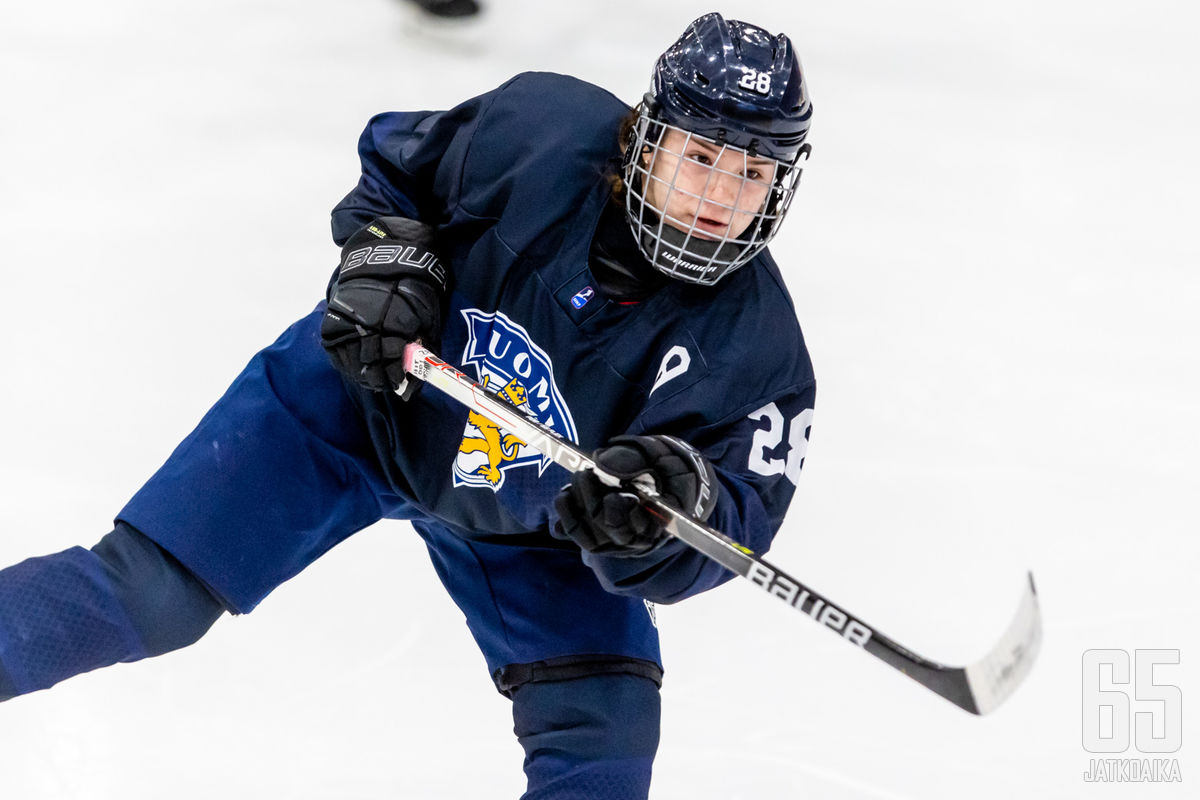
[{"x": 498, "y": 447}]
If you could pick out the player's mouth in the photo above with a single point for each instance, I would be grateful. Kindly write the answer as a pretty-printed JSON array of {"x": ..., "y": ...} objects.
[{"x": 710, "y": 228}]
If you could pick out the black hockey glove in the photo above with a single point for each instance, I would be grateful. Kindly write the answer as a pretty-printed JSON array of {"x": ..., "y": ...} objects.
[
  {"x": 601, "y": 518},
  {"x": 387, "y": 293}
]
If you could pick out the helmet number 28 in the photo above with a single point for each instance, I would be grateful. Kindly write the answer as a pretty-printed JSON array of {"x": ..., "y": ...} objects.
[{"x": 755, "y": 81}]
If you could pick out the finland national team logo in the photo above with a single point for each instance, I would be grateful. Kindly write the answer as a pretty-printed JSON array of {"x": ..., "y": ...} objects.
[{"x": 509, "y": 364}]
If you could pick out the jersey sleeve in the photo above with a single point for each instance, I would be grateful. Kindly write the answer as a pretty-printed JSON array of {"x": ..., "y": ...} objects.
[
  {"x": 757, "y": 456},
  {"x": 411, "y": 166},
  {"x": 514, "y": 146}
]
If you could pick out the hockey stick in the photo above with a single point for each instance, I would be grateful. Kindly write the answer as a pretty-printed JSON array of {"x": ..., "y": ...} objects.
[{"x": 978, "y": 688}]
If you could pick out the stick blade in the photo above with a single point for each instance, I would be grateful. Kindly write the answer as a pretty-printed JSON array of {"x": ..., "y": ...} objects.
[{"x": 997, "y": 675}]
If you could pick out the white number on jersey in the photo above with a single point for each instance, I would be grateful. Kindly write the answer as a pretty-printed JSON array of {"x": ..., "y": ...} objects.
[{"x": 768, "y": 438}]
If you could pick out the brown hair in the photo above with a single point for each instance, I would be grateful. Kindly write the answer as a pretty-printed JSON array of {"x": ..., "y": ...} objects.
[{"x": 617, "y": 178}]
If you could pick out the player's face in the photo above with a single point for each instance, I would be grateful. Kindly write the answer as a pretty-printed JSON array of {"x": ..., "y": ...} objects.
[{"x": 703, "y": 188}]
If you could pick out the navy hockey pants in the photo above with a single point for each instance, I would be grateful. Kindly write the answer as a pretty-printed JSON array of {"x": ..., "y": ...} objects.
[{"x": 278, "y": 472}]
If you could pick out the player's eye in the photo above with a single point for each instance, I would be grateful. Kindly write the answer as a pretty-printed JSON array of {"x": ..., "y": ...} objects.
[
  {"x": 759, "y": 172},
  {"x": 700, "y": 158}
]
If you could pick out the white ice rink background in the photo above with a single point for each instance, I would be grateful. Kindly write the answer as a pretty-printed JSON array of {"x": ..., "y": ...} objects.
[{"x": 994, "y": 258}]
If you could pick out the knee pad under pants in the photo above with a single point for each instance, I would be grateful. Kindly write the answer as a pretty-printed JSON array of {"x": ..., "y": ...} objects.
[{"x": 79, "y": 610}]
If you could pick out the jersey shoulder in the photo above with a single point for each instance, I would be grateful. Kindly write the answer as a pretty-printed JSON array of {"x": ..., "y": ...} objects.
[
  {"x": 562, "y": 98},
  {"x": 542, "y": 123},
  {"x": 539, "y": 146}
]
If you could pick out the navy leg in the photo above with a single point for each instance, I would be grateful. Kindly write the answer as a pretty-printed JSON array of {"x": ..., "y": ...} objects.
[
  {"x": 588, "y": 738},
  {"x": 79, "y": 610},
  {"x": 278, "y": 471},
  {"x": 580, "y": 665}
]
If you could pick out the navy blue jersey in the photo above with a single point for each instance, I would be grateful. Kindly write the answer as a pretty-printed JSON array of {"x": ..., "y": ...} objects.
[{"x": 515, "y": 182}]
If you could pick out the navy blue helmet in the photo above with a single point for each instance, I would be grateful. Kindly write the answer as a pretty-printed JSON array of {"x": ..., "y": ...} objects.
[
  {"x": 734, "y": 82},
  {"x": 714, "y": 158}
]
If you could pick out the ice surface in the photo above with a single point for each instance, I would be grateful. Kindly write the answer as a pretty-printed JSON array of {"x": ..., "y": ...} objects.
[{"x": 993, "y": 256}]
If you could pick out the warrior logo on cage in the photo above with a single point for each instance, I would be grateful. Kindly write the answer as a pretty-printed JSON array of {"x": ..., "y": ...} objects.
[{"x": 509, "y": 364}]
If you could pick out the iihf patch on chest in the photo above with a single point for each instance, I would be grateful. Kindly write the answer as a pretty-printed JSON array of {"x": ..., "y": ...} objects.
[{"x": 510, "y": 364}]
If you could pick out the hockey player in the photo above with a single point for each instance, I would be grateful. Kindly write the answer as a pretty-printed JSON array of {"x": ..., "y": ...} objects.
[{"x": 601, "y": 267}]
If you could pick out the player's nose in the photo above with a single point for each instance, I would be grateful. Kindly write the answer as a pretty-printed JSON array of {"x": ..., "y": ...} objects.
[{"x": 723, "y": 188}]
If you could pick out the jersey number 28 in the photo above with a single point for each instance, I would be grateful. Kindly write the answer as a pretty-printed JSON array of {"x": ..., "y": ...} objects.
[{"x": 767, "y": 439}]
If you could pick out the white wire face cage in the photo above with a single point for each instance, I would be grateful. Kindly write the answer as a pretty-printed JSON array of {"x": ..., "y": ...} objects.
[{"x": 701, "y": 208}]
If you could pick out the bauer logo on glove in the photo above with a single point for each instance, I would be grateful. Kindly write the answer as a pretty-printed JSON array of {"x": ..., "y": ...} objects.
[{"x": 389, "y": 291}]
